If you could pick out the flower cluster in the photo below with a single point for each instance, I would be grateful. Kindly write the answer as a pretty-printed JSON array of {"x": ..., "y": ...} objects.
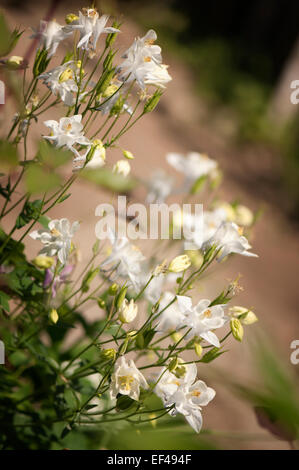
[{"x": 150, "y": 322}]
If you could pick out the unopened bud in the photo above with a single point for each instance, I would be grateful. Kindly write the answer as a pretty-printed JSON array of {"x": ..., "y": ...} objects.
[
  {"x": 101, "y": 303},
  {"x": 109, "y": 354},
  {"x": 246, "y": 317},
  {"x": 54, "y": 317},
  {"x": 198, "y": 349},
  {"x": 128, "y": 311},
  {"x": 128, "y": 155},
  {"x": 43, "y": 262},
  {"x": 113, "y": 289},
  {"x": 122, "y": 167},
  {"x": 173, "y": 364},
  {"x": 236, "y": 329},
  {"x": 179, "y": 264}
]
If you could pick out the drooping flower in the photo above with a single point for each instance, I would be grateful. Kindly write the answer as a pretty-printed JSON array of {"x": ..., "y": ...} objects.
[
  {"x": 143, "y": 63},
  {"x": 95, "y": 156},
  {"x": 51, "y": 34},
  {"x": 171, "y": 317},
  {"x": 185, "y": 395},
  {"x": 201, "y": 319},
  {"x": 126, "y": 258},
  {"x": 193, "y": 165},
  {"x": 67, "y": 132},
  {"x": 229, "y": 238},
  {"x": 160, "y": 186},
  {"x": 246, "y": 316},
  {"x": 61, "y": 81},
  {"x": 57, "y": 238},
  {"x": 90, "y": 26},
  {"x": 127, "y": 379}
]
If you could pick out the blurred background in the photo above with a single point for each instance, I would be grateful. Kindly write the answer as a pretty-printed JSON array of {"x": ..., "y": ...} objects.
[{"x": 232, "y": 66}]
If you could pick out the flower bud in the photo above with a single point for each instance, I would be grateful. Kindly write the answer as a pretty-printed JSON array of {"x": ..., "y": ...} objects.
[
  {"x": 113, "y": 289},
  {"x": 128, "y": 311},
  {"x": 243, "y": 216},
  {"x": 246, "y": 317},
  {"x": 152, "y": 102},
  {"x": 101, "y": 303},
  {"x": 122, "y": 167},
  {"x": 236, "y": 329},
  {"x": 121, "y": 296},
  {"x": 110, "y": 90},
  {"x": 128, "y": 155},
  {"x": 70, "y": 18},
  {"x": 160, "y": 269},
  {"x": 53, "y": 316},
  {"x": 109, "y": 354},
  {"x": 179, "y": 264},
  {"x": 198, "y": 349},
  {"x": 43, "y": 262},
  {"x": 176, "y": 336},
  {"x": 196, "y": 257},
  {"x": 173, "y": 364}
]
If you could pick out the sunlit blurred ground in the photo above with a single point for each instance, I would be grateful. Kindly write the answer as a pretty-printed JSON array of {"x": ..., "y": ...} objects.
[{"x": 270, "y": 282}]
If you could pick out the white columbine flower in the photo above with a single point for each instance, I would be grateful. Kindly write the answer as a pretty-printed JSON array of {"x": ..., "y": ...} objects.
[
  {"x": 122, "y": 167},
  {"x": 61, "y": 81},
  {"x": 229, "y": 238},
  {"x": 127, "y": 379},
  {"x": 91, "y": 26},
  {"x": 171, "y": 317},
  {"x": 51, "y": 34},
  {"x": 186, "y": 395},
  {"x": 201, "y": 319},
  {"x": 194, "y": 165},
  {"x": 128, "y": 311},
  {"x": 157, "y": 75},
  {"x": 67, "y": 132},
  {"x": 159, "y": 187},
  {"x": 141, "y": 60},
  {"x": 126, "y": 258},
  {"x": 57, "y": 238}
]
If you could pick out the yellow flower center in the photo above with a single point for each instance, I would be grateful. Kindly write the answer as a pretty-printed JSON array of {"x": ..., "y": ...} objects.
[
  {"x": 66, "y": 75},
  {"x": 147, "y": 59},
  {"x": 55, "y": 232},
  {"x": 196, "y": 393},
  {"x": 126, "y": 381},
  {"x": 207, "y": 313},
  {"x": 241, "y": 230},
  {"x": 68, "y": 127}
]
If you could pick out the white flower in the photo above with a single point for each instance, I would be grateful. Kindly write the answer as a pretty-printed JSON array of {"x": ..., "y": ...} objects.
[
  {"x": 126, "y": 258},
  {"x": 171, "y": 317},
  {"x": 229, "y": 238},
  {"x": 202, "y": 318},
  {"x": 186, "y": 396},
  {"x": 122, "y": 167},
  {"x": 91, "y": 27},
  {"x": 127, "y": 379},
  {"x": 128, "y": 311},
  {"x": 157, "y": 75},
  {"x": 67, "y": 132},
  {"x": 198, "y": 230},
  {"x": 159, "y": 187},
  {"x": 179, "y": 264},
  {"x": 61, "y": 81},
  {"x": 194, "y": 165},
  {"x": 51, "y": 34},
  {"x": 140, "y": 61},
  {"x": 57, "y": 238}
]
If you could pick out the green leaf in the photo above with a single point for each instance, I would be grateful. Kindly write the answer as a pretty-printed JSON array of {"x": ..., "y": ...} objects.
[
  {"x": 8, "y": 39},
  {"x": 4, "y": 298},
  {"x": 38, "y": 180},
  {"x": 107, "y": 179},
  {"x": 211, "y": 355},
  {"x": 197, "y": 186},
  {"x": 52, "y": 156},
  {"x": 8, "y": 155},
  {"x": 30, "y": 211}
]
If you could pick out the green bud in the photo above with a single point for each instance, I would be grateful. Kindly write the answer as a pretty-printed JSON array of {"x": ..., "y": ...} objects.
[
  {"x": 123, "y": 347},
  {"x": 121, "y": 297},
  {"x": 198, "y": 349},
  {"x": 109, "y": 354},
  {"x": 236, "y": 329},
  {"x": 152, "y": 102},
  {"x": 101, "y": 303},
  {"x": 110, "y": 38},
  {"x": 105, "y": 80},
  {"x": 113, "y": 289},
  {"x": 173, "y": 364},
  {"x": 53, "y": 316}
]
